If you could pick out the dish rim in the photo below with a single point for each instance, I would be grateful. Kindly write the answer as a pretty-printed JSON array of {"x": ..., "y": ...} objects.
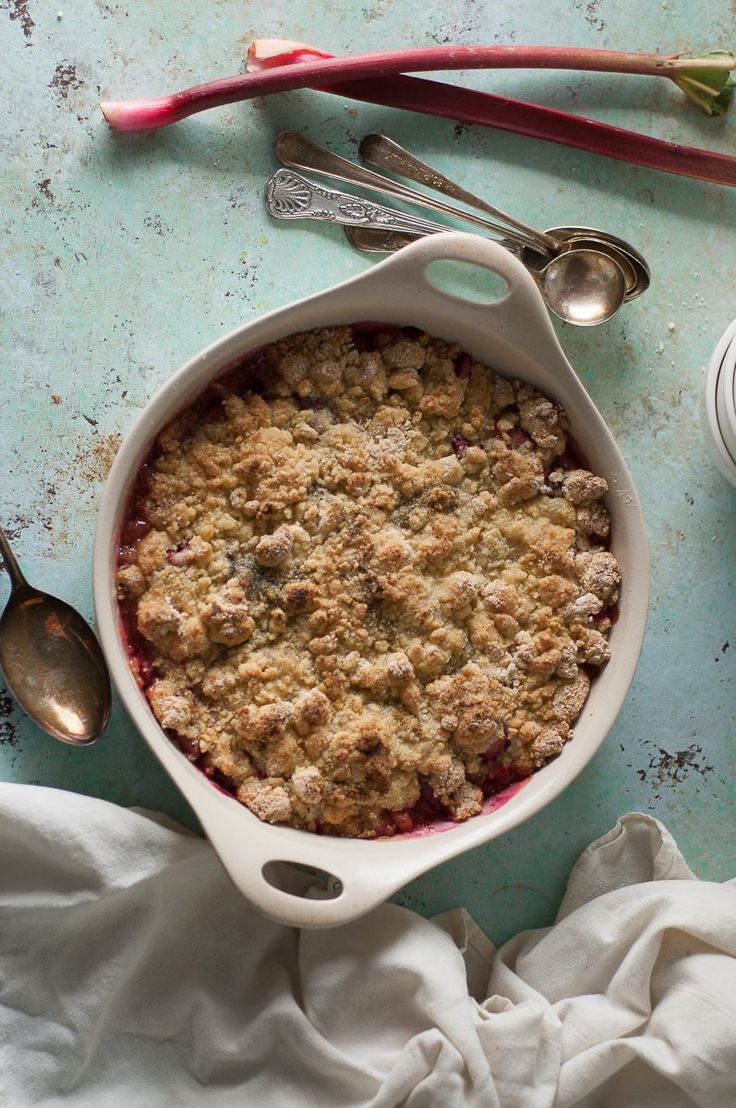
[{"x": 522, "y": 324}]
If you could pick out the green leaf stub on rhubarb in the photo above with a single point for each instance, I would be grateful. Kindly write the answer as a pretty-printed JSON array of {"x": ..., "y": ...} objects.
[{"x": 710, "y": 88}]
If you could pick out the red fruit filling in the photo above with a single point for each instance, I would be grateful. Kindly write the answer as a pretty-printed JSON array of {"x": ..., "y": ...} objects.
[
  {"x": 610, "y": 613},
  {"x": 403, "y": 822},
  {"x": 462, "y": 365},
  {"x": 459, "y": 445},
  {"x": 133, "y": 530},
  {"x": 499, "y": 778},
  {"x": 173, "y": 551},
  {"x": 517, "y": 438},
  {"x": 190, "y": 747},
  {"x": 495, "y": 749},
  {"x": 246, "y": 373},
  {"x": 366, "y": 333}
]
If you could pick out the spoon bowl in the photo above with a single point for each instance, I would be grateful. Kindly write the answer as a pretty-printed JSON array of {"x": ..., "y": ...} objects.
[
  {"x": 52, "y": 662},
  {"x": 636, "y": 271},
  {"x": 585, "y": 287}
]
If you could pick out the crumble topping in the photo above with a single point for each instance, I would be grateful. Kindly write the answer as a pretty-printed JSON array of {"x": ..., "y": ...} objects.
[{"x": 366, "y": 582}]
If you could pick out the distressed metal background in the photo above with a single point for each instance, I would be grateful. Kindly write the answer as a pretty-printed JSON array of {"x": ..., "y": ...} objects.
[{"x": 123, "y": 255}]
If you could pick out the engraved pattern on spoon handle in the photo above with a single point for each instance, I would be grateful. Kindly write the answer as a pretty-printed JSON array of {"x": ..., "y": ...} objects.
[
  {"x": 11, "y": 564},
  {"x": 300, "y": 153},
  {"x": 291, "y": 196},
  {"x": 384, "y": 153}
]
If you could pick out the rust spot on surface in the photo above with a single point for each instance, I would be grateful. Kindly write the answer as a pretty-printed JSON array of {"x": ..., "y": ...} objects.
[
  {"x": 18, "y": 12},
  {"x": 8, "y": 733},
  {"x": 589, "y": 8},
  {"x": 96, "y": 460},
  {"x": 65, "y": 79},
  {"x": 55, "y": 398},
  {"x": 156, "y": 224},
  {"x": 672, "y": 768},
  {"x": 43, "y": 188}
]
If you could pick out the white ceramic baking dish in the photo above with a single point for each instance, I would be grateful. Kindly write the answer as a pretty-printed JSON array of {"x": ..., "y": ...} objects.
[
  {"x": 718, "y": 404},
  {"x": 512, "y": 334}
]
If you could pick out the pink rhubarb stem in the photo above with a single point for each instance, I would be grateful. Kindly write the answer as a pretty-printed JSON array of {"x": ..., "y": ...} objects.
[
  {"x": 280, "y": 65},
  {"x": 417, "y": 94},
  {"x": 517, "y": 116},
  {"x": 321, "y": 69}
]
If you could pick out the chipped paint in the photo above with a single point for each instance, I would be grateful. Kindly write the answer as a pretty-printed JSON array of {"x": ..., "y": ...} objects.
[
  {"x": 590, "y": 11},
  {"x": 673, "y": 767},
  {"x": 95, "y": 462},
  {"x": 8, "y": 730},
  {"x": 18, "y": 12},
  {"x": 65, "y": 80},
  {"x": 45, "y": 190}
]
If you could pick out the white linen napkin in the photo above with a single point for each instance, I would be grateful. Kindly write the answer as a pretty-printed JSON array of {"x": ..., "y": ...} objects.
[{"x": 132, "y": 973}]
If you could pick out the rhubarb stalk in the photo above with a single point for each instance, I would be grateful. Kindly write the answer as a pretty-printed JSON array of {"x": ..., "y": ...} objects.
[
  {"x": 706, "y": 78},
  {"x": 277, "y": 65},
  {"x": 418, "y": 94}
]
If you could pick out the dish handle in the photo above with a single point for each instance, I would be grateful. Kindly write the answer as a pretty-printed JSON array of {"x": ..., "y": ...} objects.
[
  {"x": 274, "y": 868},
  {"x": 519, "y": 314}
]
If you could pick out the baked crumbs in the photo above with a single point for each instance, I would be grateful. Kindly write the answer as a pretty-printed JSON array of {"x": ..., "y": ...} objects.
[{"x": 366, "y": 581}]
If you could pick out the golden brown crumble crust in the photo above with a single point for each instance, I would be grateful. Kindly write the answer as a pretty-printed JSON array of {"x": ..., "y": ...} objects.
[{"x": 379, "y": 579}]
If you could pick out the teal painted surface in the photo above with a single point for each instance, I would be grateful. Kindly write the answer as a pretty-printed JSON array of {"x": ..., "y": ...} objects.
[{"x": 124, "y": 255}]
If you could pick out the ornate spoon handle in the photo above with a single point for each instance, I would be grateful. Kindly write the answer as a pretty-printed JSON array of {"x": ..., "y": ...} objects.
[
  {"x": 291, "y": 196},
  {"x": 298, "y": 152},
  {"x": 383, "y": 152}
]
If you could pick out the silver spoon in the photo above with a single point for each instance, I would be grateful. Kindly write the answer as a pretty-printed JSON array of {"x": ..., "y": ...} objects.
[
  {"x": 636, "y": 271},
  {"x": 583, "y": 286},
  {"x": 585, "y": 303},
  {"x": 51, "y": 661},
  {"x": 383, "y": 152},
  {"x": 291, "y": 196},
  {"x": 298, "y": 152}
]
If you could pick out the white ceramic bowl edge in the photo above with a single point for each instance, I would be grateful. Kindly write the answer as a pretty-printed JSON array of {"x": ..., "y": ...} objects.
[{"x": 512, "y": 334}]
